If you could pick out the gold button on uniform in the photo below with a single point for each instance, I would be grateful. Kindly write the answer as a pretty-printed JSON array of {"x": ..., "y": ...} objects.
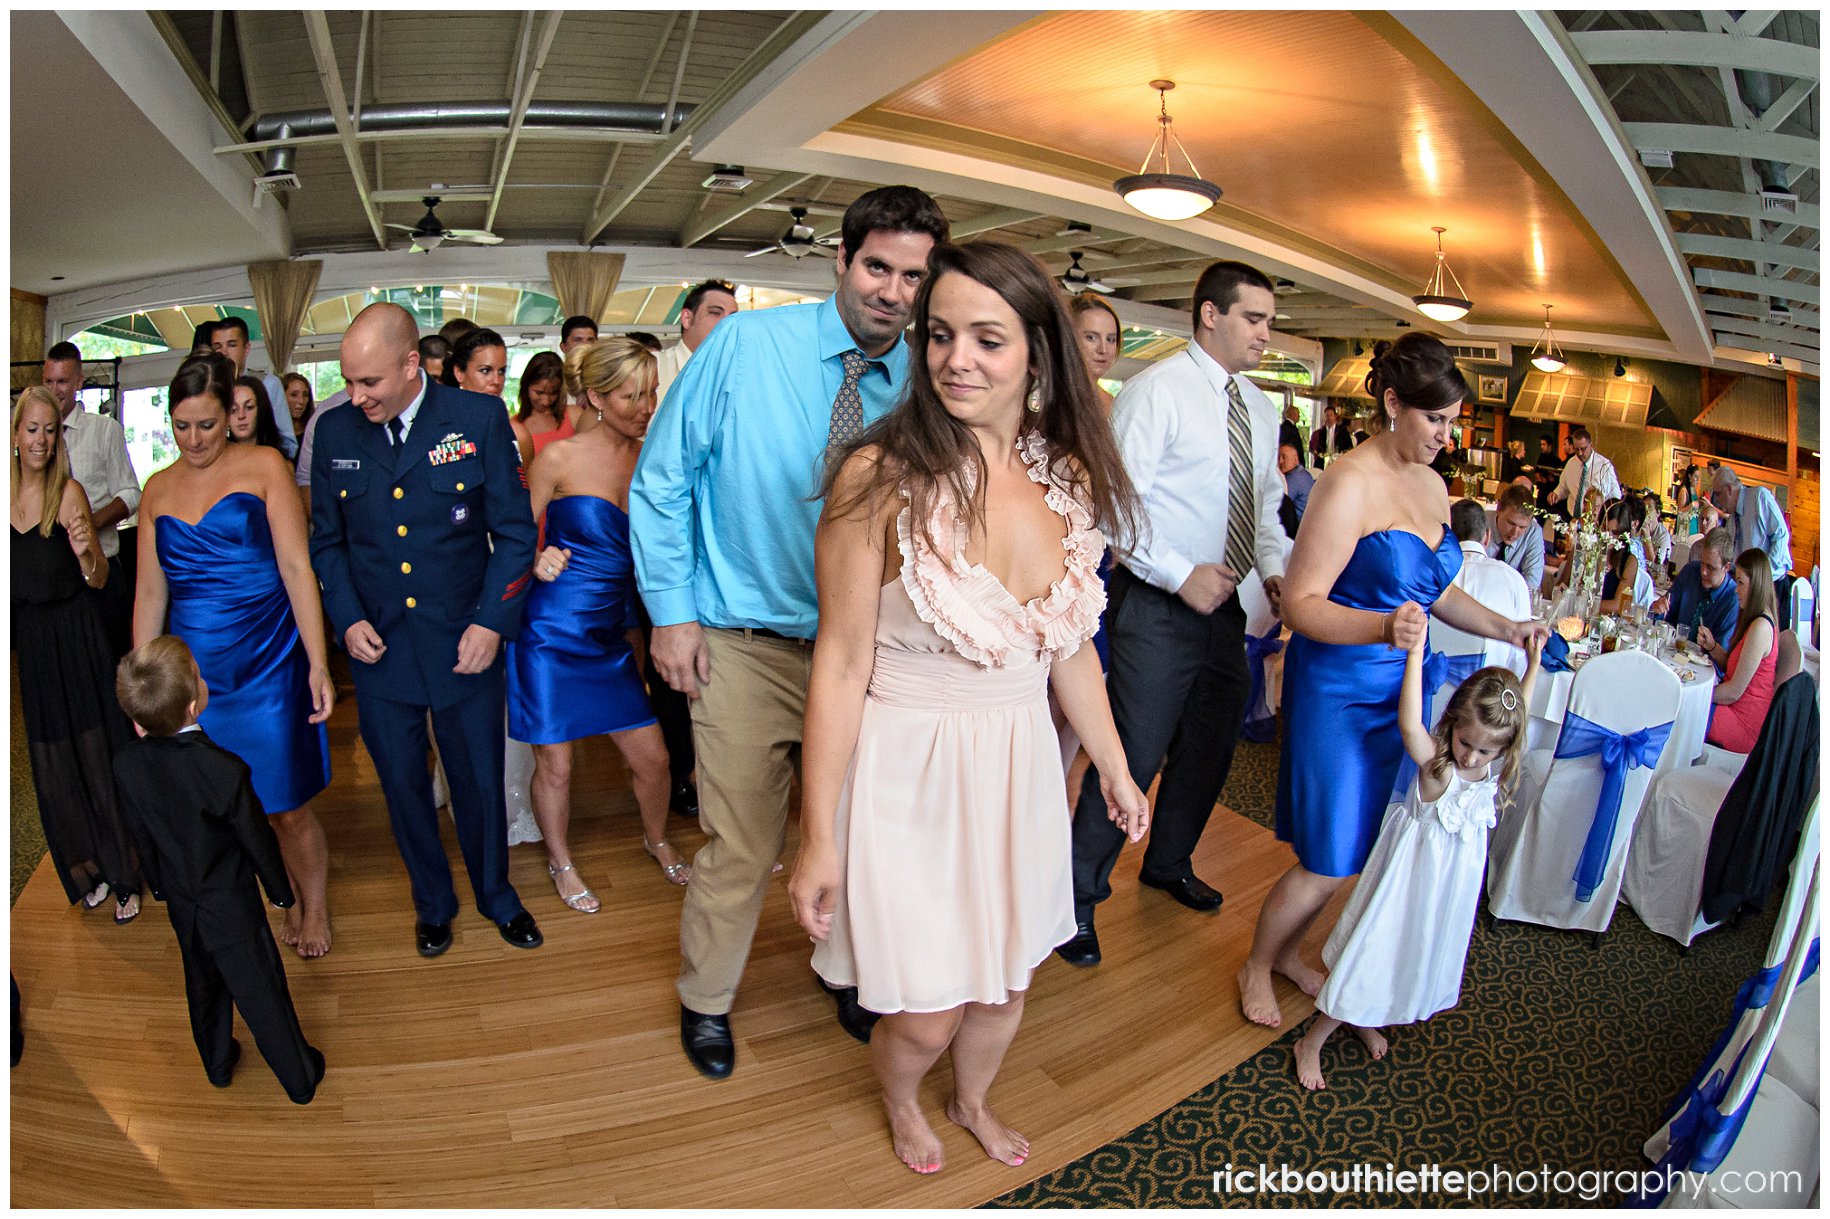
[
  {"x": 343, "y": 495},
  {"x": 406, "y": 569},
  {"x": 399, "y": 494},
  {"x": 460, "y": 486},
  {"x": 411, "y": 603},
  {"x": 401, "y": 530}
]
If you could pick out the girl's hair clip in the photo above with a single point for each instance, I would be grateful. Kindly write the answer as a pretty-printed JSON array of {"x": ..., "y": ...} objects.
[{"x": 1509, "y": 700}]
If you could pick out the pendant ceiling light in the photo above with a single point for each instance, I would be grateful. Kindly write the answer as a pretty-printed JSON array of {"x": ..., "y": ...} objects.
[
  {"x": 1546, "y": 356},
  {"x": 1165, "y": 194},
  {"x": 1435, "y": 301}
]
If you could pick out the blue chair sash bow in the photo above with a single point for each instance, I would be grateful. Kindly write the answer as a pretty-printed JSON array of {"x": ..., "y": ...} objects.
[
  {"x": 1439, "y": 669},
  {"x": 1260, "y": 725},
  {"x": 1620, "y": 752}
]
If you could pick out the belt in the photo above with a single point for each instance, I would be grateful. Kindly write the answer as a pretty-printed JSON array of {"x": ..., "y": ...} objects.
[{"x": 763, "y": 632}]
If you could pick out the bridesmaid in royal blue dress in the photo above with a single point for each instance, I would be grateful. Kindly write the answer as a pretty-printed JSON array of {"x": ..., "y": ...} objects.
[
  {"x": 1373, "y": 558},
  {"x": 572, "y": 672},
  {"x": 223, "y": 550}
]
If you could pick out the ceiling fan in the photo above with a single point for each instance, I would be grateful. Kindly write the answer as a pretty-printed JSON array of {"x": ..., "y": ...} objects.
[
  {"x": 798, "y": 241},
  {"x": 1076, "y": 279},
  {"x": 430, "y": 233}
]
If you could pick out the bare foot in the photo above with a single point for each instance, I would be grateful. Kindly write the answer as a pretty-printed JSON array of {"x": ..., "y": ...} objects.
[
  {"x": 914, "y": 1141},
  {"x": 1376, "y": 1045},
  {"x": 1000, "y": 1142},
  {"x": 1309, "y": 1063},
  {"x": 290, "y": 926},
  {"x": 1307, "y": 980},
  {"x": 1257, "y": 997},
  {"x": 314, "y": 934}
]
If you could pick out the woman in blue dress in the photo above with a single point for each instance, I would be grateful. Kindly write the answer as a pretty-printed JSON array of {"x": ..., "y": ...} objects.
[
  {"x": 1373, "y": 558},
  {"x": 223, "y": 549},
  {"x": 572, "y": 671}
]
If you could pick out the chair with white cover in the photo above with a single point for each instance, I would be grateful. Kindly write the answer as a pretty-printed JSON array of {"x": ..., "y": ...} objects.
[
  {"x": 1744, "y": 1132},
  {"x": 1669, "y": 858},
  {"x": 1557, "y": 854}
]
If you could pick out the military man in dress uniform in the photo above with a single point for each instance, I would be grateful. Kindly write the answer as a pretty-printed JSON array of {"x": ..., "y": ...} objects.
[{"x": 423, "y": 539}]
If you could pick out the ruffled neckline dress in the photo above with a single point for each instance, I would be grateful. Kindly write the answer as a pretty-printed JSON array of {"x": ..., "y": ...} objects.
[{"x": 953, "y": 825}]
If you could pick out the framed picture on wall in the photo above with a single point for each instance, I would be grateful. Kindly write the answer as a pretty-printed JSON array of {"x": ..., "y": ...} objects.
[{"x": 1492, "y": 389}]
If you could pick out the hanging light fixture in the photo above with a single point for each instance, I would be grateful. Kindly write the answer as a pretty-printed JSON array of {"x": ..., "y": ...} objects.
[
  {"x": 1546, "y": 356},
  {"x": 1435, "y": 301},
  {"x": 1167, "y": 195}
]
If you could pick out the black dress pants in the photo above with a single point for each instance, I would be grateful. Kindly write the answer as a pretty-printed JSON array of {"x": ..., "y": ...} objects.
[
  {"x": 247, "y": 974},
  {"x": 1177, "y": 681}
]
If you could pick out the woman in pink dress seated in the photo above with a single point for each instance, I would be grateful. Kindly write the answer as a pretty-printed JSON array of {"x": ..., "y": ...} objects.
[
  {"x": 1741, "y": 701},
  {"x": 956, "y": 561}
]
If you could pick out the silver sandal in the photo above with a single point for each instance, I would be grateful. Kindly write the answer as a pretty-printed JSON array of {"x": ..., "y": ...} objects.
[
  {"x": 678, "y": 873},
  {"x": 584, "y": 903}
]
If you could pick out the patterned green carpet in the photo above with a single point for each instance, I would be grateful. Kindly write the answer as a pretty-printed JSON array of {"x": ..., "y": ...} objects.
[{"x": 1560, "y": 1055}]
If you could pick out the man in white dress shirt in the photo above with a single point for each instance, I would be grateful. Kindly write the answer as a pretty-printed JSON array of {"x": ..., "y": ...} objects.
[
  {"x": 1200, "y": 444},
  {"x": 97, "y": 448},
  {"x": 1494, "y": 584},
  {"x": 1585, "y": 471},
  {"x": 705, "y": 306}
]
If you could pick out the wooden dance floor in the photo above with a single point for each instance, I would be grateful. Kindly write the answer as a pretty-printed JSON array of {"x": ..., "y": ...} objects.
[{"x": 494, "y": 1076}]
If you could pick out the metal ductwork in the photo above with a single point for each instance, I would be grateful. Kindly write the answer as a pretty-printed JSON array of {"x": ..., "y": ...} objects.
[
  {"x": 648, "y": 118},
  {"x": 1759, "y": 90}
]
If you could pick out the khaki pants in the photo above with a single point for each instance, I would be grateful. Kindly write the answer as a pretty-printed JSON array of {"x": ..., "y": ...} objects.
[{"x": 746, "y": 723}]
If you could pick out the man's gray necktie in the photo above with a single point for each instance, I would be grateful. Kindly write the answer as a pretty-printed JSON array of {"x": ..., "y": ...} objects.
[
  {"x": 847, "y": 406},
  {"x": 1241, "y": 516}
]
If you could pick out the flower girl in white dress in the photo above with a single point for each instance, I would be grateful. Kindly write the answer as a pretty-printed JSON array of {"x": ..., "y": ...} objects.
[{"x": 1396, "y": 956}]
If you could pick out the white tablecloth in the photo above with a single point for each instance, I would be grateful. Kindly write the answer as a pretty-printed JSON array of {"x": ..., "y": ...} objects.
[{"x": 1551, "y": 697}]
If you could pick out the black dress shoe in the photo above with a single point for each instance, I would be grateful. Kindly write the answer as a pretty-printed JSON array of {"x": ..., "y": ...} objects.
[
  {"x": 432, "y": 938},
  {"x": 522, "y": 931},
  {"x": 707, "y": 1042},
  {"x": 317, "y": 1076},
  {"x": 684, "y": 799},
  {"x": 856, "y": 1020},
  {"x": 1191, "y": 891},
  {"x": 229, "y": 1074},
  {"x": 1083, "y": 949}
]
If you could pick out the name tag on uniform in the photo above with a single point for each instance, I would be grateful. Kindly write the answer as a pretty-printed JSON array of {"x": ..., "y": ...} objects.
[
  {"x": 452, "y": 448},
  {"x": 344, "y": 463}
]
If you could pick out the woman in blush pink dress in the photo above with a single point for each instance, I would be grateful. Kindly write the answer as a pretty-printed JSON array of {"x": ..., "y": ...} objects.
[{"x": 956, "y": 563}]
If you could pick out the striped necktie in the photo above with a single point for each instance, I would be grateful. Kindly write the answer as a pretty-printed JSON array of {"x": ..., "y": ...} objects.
[
  {"x": 1241, "y": 524},
  {"x": 847, "y": 406}
]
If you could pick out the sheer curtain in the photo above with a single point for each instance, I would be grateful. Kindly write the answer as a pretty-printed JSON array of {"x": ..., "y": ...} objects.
[
  {"x": 584, "y": 281},
  {"x": 282, "y": 295}
]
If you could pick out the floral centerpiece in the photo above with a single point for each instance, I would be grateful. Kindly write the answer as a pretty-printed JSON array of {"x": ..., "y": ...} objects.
[{"x": 1578, "y": 605}]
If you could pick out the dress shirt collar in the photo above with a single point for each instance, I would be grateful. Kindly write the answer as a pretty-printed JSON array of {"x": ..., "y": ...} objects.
[
  {"x": 1215, "y": 370},
  {"x": 407, "y": 416},
  {"x": 835, "y": 340},
  {"x": 1474, "y": 548},
  {"x": 188, "y": 728}
]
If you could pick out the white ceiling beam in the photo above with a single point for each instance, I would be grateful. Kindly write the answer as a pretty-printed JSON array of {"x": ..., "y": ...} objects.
[
  {"x": 317, "y": 30},
  {"x": 1807, "y": 356},
  {"x": 1766, "y": 332},
  {"x": 1786, "y": 289},
  {"x": 1697, "y": 51},
  {"x": 388, "y": 135},
  {"x": 1075, "y": 241},
  {"x": 1786, "y": 103},
  {"x": 1728, "y": 203},
  {"x": 1528, "y": 73},
  {"x": 996, "y": 218},
  {"x": 1766, "y": 252},
  {"x": 1753, "y": 23},
  {"x": 1742, "y": 307},
  {"x": 524, "y": 97},
  {"x": 686, "y": 49},
  {"x": 1724, "y": 142},
  {"x": 752, "y": 199},
  {"x": 793, "y": 29},
  {"x": 641, "y": 91}
]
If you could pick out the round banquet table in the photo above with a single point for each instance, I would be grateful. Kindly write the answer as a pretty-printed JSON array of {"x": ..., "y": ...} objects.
[{"x": 1550, "y": 698}]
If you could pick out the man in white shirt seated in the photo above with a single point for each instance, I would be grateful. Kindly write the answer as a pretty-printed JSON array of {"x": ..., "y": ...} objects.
[
  {"x": 1585, "y": 471},
  {"x": 705, "y": 306},
  {"x": 1518, "y": 539},
  {"x": 1492, "y": 583}
]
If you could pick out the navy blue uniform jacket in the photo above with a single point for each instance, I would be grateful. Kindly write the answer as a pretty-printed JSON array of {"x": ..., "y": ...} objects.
[{"x": 422, "y": 546}]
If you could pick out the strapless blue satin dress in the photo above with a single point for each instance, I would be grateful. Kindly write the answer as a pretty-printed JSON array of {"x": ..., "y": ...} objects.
[
  {"x": 229, "y": 605},
  {"x": 570, "y": 671},
  {"x": 1340, "y": 703}
]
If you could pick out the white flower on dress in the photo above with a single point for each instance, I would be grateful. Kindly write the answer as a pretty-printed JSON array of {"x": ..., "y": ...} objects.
[{"x": 1468, "y": 810}]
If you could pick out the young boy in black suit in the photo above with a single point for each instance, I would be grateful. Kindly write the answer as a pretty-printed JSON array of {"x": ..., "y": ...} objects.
[{"x": 203, "y": 839}]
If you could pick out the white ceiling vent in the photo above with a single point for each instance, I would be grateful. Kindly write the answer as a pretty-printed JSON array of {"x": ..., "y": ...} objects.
[{"x": 1482, "y": 353}]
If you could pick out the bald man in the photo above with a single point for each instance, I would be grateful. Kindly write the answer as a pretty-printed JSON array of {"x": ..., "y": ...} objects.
[{"x": 423, "y": 539}]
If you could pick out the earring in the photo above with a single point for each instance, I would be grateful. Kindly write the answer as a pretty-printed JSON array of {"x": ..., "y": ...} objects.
[{"x": 1034, "y": 401}]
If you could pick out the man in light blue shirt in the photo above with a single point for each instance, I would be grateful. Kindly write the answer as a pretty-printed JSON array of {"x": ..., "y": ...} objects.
[
  {"x": 1753, "y": 515},
  {"x": 722, "y": 513}
]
